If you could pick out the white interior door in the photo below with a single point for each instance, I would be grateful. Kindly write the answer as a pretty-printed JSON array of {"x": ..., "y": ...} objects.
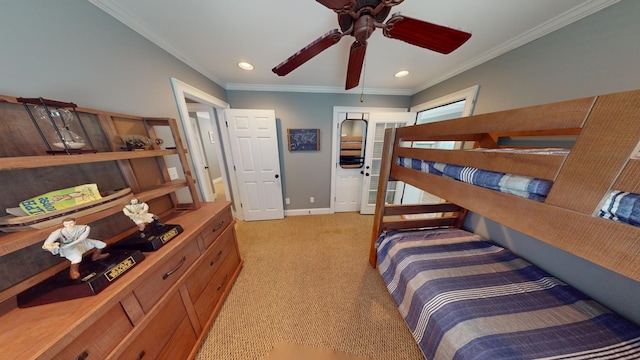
[
  {"x": 254, "y": 147},
  {"x": 346, "y": 181},
  {"x": 378, "y": 122}
]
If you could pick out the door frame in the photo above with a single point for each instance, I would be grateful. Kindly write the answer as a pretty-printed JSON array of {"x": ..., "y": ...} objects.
[
  {"x": 183, "y": 91},
  {"x": 335, "y": 152},
  {"x": 216, "y": 137}
]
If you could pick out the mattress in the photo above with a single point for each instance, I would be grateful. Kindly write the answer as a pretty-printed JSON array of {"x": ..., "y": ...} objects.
[
  {"x": 523, "y": 186},
  {"x": 464, "y": 297},
  {"x": 622, "y": 207}
]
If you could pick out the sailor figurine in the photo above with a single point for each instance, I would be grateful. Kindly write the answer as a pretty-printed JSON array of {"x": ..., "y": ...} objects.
[{"x": 71, "y": 242}]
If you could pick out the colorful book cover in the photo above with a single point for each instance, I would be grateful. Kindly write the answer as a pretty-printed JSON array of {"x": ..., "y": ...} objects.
[{"x": 61, "y": 199}]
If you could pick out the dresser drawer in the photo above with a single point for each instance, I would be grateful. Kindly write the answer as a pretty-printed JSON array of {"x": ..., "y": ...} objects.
[
  {"x": 210, "y": 263},
  {"x": 100, "y": 338},
  {"x": 159, "y": 332},
  {"x": 215, "y": 227},
  {"x": 165, "y": 275},
  {"x": 181, "y": 342},
  {"x": 209, "y": 298}
]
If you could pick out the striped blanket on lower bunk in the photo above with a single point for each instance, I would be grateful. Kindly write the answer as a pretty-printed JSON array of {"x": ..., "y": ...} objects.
[{"x": 464, "y": 297}]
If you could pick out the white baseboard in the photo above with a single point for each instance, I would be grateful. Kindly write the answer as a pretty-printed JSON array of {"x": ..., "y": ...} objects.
[{"x": 298, "y": 212}]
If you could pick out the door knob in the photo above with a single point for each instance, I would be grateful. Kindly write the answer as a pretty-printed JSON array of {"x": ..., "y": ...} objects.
[
  {"x": 366, "y": 174},
  {"x": 277, "y": 176}
]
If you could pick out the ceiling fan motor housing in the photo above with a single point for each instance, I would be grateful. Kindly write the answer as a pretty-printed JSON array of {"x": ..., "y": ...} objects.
[{"x": 363, "y": 28}]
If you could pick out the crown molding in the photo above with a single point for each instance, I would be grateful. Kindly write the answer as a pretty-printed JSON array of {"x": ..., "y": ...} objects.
[
  {"x": 143, "y": 29},
  {"x": 317, "y": 89}
]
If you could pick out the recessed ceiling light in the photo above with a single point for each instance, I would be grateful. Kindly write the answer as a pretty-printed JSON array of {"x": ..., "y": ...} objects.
[
  {"x": 245, "y": 65},
  {"x": 402, "y": 73}
]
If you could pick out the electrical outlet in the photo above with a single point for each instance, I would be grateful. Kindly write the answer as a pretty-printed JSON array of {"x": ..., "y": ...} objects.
[
  {"x": 287, "y": 201},
  {"x": 311, "y": 199},
  {"x": 173, "y": 173}
]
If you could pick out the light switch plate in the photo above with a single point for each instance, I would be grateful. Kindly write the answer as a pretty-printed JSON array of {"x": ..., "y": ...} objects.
[{"x": 173, "y": 173}]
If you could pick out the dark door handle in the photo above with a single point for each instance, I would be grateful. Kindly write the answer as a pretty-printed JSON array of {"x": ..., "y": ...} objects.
[
  {"x": 366, "y": 174},
  {"x": 277, "y": 176}
]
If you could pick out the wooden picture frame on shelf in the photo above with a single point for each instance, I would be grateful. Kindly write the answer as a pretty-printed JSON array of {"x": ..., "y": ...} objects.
[{"x": 303, "y": 139}]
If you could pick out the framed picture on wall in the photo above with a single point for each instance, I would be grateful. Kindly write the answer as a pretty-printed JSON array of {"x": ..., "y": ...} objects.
[{"x": 303, "y": 139}]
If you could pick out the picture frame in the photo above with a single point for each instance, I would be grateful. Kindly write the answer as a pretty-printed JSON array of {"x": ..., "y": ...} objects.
[{"x": 303, "y": 139}]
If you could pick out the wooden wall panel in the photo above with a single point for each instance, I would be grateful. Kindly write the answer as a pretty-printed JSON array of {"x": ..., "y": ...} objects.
[
  {"x": 562, "y": 115},
  {"x": 629, "y": 179},
  {"x": 602, "y": 149}
]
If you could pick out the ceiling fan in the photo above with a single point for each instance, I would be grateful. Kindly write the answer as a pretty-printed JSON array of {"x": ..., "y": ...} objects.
[{"x": 359, "y": 18}]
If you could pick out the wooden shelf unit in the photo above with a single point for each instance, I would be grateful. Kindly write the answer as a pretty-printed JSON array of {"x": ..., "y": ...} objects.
[
  {"x": 137, "y": 315},
  {"x": 26, "y": 170}
]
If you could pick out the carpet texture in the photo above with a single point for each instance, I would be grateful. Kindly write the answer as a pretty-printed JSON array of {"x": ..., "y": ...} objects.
[{"x": 306, "y": 280}]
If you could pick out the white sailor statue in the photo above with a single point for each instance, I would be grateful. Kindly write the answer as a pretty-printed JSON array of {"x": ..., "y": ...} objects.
[
  {"x": 71, "y": 242},
  {"x": 139, "y": 213}
]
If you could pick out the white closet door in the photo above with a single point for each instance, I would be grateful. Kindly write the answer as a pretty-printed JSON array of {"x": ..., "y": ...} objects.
[
  {"x": 378, "y": 122},
  {"x": 256, "y": 161}
]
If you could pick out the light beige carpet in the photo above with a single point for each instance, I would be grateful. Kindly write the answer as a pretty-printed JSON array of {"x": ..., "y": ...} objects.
[{"x": 306, "y": 280}]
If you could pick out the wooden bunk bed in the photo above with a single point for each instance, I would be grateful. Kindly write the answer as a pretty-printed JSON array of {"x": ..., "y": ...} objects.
[{"x": 443, "y": 278}]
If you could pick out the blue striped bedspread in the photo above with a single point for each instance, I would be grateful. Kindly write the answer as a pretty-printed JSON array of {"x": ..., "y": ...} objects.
[
  {"x": 622, "y": 207},
  {"x": 464, "y": 297},
  {"x": 523, "y": 186}
]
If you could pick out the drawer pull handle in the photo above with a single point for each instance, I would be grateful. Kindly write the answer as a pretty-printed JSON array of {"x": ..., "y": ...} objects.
[
  {"x": 82, "y": 356},
  {"x": 216, "y": 259},
  {"x": 218, "y": 227},
  {"x": 141, "y": 355},
  {"x": 223, "y": 282},
  {"x": 165, "y": 276}
]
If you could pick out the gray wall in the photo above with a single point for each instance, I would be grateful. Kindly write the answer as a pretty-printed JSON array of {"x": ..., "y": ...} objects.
[
  {"x": 307, "y": 174},
  {"x": 596, "y": 55},
  {"x": 70, "y": 50}
]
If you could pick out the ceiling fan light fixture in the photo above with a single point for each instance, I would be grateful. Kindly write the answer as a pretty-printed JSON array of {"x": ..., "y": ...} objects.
[
  {"x": 401, "y": 74},
  {"x": 245, "y": 65}
]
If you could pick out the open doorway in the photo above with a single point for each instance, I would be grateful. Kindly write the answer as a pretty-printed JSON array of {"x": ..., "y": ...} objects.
[
  {"x": 209, "y": 149},
  {"x": 209, "y": 135}
]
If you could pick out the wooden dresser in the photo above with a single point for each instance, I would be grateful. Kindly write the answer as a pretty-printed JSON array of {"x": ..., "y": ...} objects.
[{"x": 162, "y": 308}]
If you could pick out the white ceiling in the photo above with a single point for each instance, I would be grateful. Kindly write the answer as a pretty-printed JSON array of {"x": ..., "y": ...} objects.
[{"x": 212, "y": 36}]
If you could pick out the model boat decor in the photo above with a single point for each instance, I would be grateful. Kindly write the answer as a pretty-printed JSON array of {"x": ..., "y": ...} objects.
[{"x": 133, "y": 142}]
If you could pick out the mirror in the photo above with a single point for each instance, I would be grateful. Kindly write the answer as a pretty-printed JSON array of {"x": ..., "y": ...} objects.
[{"x": 353, "y": 132}]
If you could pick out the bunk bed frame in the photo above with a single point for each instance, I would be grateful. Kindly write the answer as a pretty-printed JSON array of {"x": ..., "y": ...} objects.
[
  {"x": 602, "y": 158},
  {"x": 465, "y": 297}
]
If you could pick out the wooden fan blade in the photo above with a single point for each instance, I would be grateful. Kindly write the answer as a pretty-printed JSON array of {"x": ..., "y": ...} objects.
[
  {"x": 427, "y": 35},
  {"x": 335, "y": 4},
  {"x": 309, "y": 51},
  {"x": 356, "y": 60}
]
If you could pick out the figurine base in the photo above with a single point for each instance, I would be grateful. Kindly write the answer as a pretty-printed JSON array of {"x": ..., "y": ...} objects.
[
  {"x": 154, "y": 238},
  {"x": 95, "y": 276}
]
